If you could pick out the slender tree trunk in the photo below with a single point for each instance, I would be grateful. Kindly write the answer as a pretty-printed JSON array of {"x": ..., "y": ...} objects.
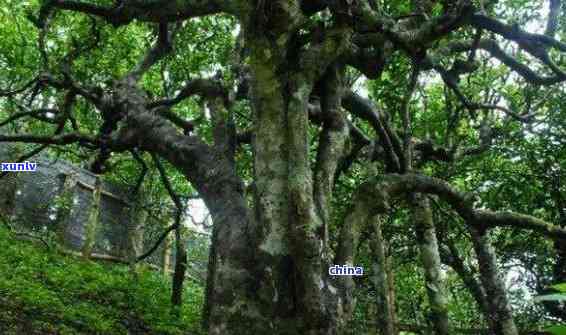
[
  {"x": 430, "y": 256},
  {"x": 500, "y": 315},
  {"x": 385, "y": 320},
  {"x": 451, "y": 257},
  {"x": 179, "y": 273},
  {"x": 391, "y": 294}
]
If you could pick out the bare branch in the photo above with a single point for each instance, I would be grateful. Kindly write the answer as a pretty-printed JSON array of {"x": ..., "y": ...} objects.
[
  {"x": 530, "y": 42},
  {"x": 535, "y": 44},
  {"x": 162, "y": 47},
  {"x": 204, "y": 87},
  {"x": 64, "y": 139},
  {"x": 150, "y": 11},
  {"x": 160, "y": 240},
  {"x": 9, "y": 93},
  {"x": 364, "y": 109},
  {"x": 379, "y": 193},
  {"x": 40, "y": 114},
  {"x": 451, "y": 80},
  {"x": 413, "y": 41},
  {"x": 143, "y": 172},
  {"x": 168, "y": 186},
  {"x": 369, "y": 60},
  {"x": 176, "y": 201},
  {"x": 332, "y": 142},
  {"x": 406, "y": 116}
]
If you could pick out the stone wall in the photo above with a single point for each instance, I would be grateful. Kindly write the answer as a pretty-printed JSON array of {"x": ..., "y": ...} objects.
[
  {"x": 58, "y": 198},
  {"x": 39, "y": 202}
]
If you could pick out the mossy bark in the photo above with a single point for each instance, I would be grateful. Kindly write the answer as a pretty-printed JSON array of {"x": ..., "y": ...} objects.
[
  {"x": 267, "y": 270},
  {"x": 392, "y": 295},
  {"x": 287, "y": 231},
  {"x": 500, "y": 318},
  {"x": 430, "y": 257},
  {"x": 385, "y": 315}
]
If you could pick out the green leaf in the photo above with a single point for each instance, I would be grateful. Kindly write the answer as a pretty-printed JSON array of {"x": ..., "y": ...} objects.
[
  {"x": 560, "y": 287},
  {"x": 556, "y": 330}
]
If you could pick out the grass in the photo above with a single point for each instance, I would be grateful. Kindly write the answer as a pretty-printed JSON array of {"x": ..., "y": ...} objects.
[{"x": 45, "y": 292}]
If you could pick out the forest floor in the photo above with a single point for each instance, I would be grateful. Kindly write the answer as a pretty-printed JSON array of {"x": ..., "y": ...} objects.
[{"x": 45, "y": 292}]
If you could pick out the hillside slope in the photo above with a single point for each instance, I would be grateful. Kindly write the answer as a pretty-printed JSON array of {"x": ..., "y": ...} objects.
[{"x": 45, "y": 292}]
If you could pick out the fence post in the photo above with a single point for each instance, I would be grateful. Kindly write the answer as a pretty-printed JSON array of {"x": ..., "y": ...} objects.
[{"x": 93, "y": 220}]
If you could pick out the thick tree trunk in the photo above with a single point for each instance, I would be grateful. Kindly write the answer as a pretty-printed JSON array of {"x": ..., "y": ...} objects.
[
  {"x": 271, "y": 198},
  {"x": 292, "y": 283},
  {"x": 235, "y": 277},
  {"x": 500, "y": 315},
  {"x": 430, "y": 256},
  {"x": 267, "y": 272}
]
